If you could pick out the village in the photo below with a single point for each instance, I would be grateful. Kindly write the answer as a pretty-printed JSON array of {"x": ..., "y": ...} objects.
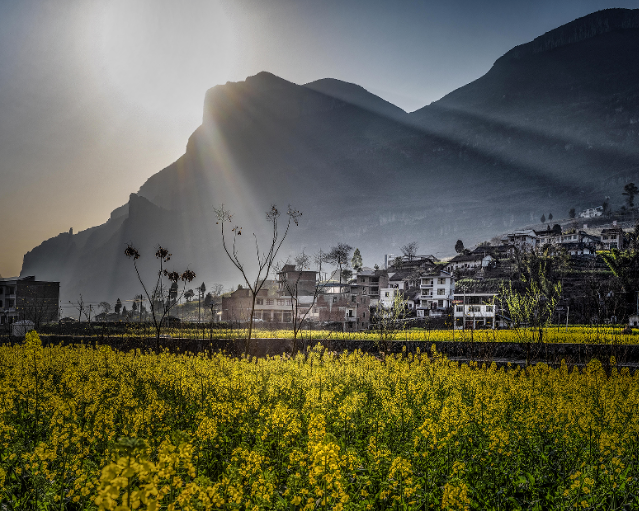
[{"x": 460, "y": 292}]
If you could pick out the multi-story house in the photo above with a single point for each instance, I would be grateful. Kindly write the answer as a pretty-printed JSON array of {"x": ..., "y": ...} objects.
[
  {"x": 467, "y": 262},
  {"x": 437, "y": 288},
  {"x": 522, "y": 240},
  {"x": 368, "y": 283},
  {"x": 275, "y": 304},
  {"x": 349, "y": 308},
  {"x": 270, "y": 306},
  {"x": 474, "y": 310},
  {"x": 296, "y": 282},
  {"x": 612, "y": 238},
  {"x": 404, "y": 283},
  {"x": 28, "y": 299}
]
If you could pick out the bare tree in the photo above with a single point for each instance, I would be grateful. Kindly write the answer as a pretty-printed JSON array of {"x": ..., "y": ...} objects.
[
  {"x": 297, "y": 286},
  {"x": 265, "y": 259},
  {"x": 388, "y": 320},
  {"x": 160, "y": 304},
  {"x": 79, "y": 306},
  {"x": 410, "y": 250},
  {"x": 339, "y": 256}
]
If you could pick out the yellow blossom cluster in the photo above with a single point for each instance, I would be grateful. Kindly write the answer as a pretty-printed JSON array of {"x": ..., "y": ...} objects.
[{"x": 575, "y": 334}]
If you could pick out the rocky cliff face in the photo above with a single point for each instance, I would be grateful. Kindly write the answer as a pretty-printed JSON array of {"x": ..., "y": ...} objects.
[{"x": 541, "y": 132}]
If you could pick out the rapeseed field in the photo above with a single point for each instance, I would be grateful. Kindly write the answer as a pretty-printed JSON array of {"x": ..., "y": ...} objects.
[
  {"x": 574, "y": 334},
  {"x": 92, "y": 428}
]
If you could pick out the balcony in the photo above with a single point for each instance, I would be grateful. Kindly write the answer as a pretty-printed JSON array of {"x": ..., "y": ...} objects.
[{"x": 475, "y": 310}]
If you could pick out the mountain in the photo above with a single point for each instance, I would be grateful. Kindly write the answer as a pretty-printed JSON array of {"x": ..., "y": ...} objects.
[
  {"x": 358, "y": 96},
  {"x": 552, "y": 125}
]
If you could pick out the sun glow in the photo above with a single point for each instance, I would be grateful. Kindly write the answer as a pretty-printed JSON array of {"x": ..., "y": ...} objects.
[{"x": 158, "y": 56}]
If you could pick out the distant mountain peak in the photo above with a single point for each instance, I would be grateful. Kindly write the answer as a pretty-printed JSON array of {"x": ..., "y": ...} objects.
[
  {"x": 355, "y": 95},
  {"x": 586, "y": 27}
]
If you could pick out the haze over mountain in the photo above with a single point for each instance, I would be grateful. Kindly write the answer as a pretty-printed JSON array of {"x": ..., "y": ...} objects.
[{"x": 554, "y": 124}]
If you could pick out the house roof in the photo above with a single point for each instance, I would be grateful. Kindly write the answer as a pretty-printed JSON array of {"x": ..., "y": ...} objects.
[
  {"x": 460, "y": 258},
  {"x": 400, "y": 275},
  {"x": 434, "y": 273}
]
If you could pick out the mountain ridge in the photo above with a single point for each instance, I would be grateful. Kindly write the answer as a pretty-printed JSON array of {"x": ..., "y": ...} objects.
[{"x": 537, "y": 133}]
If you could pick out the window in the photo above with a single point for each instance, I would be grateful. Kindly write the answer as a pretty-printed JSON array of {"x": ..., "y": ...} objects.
[
  {"x": 386, "y": 294},
  {"x": 441, "y": 291},
  {"x": 286, "y": 317},
  {"x": 440, "y": 303},
  {"x": 474, "y": 308},
  {"x": 259, "y": 301},
  {"x": 10, "y": 291},
  {"x": 489, "y": 308},
  {"x": 10, "y": 304},
  {"x": 269, "y": 301},
  {"x": 441, "y": 281},
  {"x": 364, "y": 315},
  {"x": 350, "y": 313},
  {"x": 335, "y": 299},
  {"x": 459, "y": 308}
]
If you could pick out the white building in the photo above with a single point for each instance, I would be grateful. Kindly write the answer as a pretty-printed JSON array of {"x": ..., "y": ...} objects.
[
  {"x": 436, "y": 295},
  {"x": 523, "y": 239},
  {"x": 475, "y": 310},
  {"x": 591, "y": 212}
]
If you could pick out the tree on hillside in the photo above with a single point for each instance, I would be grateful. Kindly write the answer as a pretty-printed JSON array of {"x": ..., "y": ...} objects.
[
  {"x": 572, "y": 213},
  {"x": 459, "y": 246},
  {"x": 265, "y": 259},
  {"x": 556, "y": 229},
  {"x": 630, "y": 191},
  {"x": 410, "y": 250},
  {"x": 105, "y": 306},
  {"x": 159, "y": 300},
  {"x": 339, "y": 256},
  {"x": 188, "y": 295},
  {"x": 543, "y": 218},
  {"x": 118, "y": 306},
  {"x": 550, "y": 217},
  {"x": 356, "y": 260}
]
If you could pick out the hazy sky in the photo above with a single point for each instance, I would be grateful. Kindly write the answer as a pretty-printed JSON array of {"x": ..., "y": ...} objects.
[{"x": 96, "y": 96}]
